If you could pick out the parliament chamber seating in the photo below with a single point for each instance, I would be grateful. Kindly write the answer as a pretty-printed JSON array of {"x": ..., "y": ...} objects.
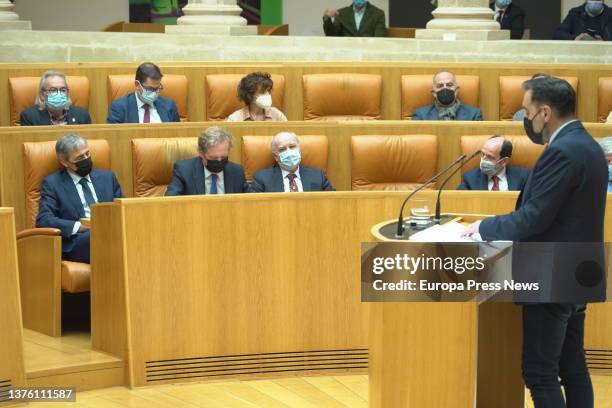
[
  {"x": 256, "y": 154},
  {"x": 524, "y": 152},
  {"x": 604, "y": 107},
  {"x": 416, "y": 92},
  {"x": 24, "y": 90},
  {"x": 43, "y": 274},
  {"x": 175, "y": 88},
  {"x": 222, "y": 94},
  {"x": 392, "y": 162},
  {"x": 511, "y": 94},
  {"x": 344, "y": 96}
]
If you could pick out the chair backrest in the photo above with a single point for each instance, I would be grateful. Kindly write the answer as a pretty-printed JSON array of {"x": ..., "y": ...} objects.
[
  {"x": 392, "y": 162},
  {"x": 24, "y": 90},
  {"x": 604, "y": 106},
  {"x": 256, "y": 153},
  {"x": 222, "y": 94},
  {"x": 511, "y": 94},
  {"x": 175, "y": 88},
  {"x": 524, "y": 152},
  {"x": 40, "y": 160},
  {"x": 342, "y": 96},
  {"x": 416, "y": 92},
  {"x": 153, "y": 161}
]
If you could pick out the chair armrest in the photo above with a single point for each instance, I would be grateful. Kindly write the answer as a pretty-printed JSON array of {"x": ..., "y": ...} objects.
[{"x": 32, "y": 232}]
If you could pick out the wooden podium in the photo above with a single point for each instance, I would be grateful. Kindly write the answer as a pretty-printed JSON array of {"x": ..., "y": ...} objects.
[{"x": 444, "y": 355}]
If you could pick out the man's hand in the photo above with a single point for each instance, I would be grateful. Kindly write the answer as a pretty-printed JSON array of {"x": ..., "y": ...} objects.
[
  {"x": 598, "y": 37},
  {"x": 584, "y": 37},
  {"x": 330, "y": 13},
  {"x": 83, "y": 228},
  {"x": 472, "y": 229}
]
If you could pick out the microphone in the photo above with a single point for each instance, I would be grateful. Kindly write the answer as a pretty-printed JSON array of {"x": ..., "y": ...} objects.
[
  {"x": 469, "y": 159},
  {"x": 400, "y": 219}
]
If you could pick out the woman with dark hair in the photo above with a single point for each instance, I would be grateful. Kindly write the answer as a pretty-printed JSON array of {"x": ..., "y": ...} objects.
[{"x": 255, "y": 90}]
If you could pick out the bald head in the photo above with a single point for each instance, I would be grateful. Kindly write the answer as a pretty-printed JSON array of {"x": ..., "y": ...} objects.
[{"x": 282, "y": 141}]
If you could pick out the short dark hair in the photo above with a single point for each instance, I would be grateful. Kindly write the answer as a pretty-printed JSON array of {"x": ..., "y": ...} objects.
[
  {"x": 554, "y": 92},
  {"x": 254, "y": 82},
  {"x": 148, "y": 70},
  {"x": 506, "y": 150}
]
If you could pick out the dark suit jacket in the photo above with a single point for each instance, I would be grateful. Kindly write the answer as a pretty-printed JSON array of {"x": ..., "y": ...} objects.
[
  {"x": 60, "y": 206},
  {"x": 188, "y": 178},
  {"x": 575, "y": 24},
  {"x": 477, "y": 180},
  {"x": 125, "y": 110},
  {"x": 35, "y": 117},
  {"x": 372, "y": 23},
  {"x": 465, "y": 112},
  {"x": 513, "y": 19},
  {"x": 270, "y": 180}
]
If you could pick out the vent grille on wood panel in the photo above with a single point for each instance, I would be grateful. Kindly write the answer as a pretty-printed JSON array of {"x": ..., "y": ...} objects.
[
  {"x": 599, "y": 360},
  {"x": 5, "y": 386},
  {"x": 199, "y": 367}
]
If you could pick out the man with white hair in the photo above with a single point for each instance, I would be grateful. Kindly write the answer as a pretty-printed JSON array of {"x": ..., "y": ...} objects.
[
  {"x": 287, "y": 175},
  {"x": 53, "y": 105},
  {"x": 606, "y": 145},
  {"x": 210, "y": 172}
]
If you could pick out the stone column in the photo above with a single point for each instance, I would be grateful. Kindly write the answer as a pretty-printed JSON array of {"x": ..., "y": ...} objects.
[
  {"x": 463, "y": 20},
  {"x": 217, "y": 17},
  {"x": 9, "y": 20}
]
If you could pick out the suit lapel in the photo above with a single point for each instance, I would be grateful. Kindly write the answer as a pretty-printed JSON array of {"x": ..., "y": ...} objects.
[
  {"x": 72, "y": 194},
  {"x": 367, "y": 16},
  {"x": 484, "y": 182},
  {"x": 45, "y": 117},
  {"x": 132, "y": 109},
  {"x": 306, "y": 180},
  {"x": 349, "y": 21},
  {"x": 512, "y": 181},
  {"x": 226, "y": 180},
  {"x": 198, "y": 176},
  {"x": 104, "y": 196},
  {"x": 277, "y": 180},
  {"x": 163, "y": 113},
  {"x": 70, "y": 119}
]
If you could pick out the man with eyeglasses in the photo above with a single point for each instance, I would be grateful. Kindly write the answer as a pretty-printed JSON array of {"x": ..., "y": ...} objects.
[
  {"x": 144, "y": 105},
  {"x": 53, "y": 105}
]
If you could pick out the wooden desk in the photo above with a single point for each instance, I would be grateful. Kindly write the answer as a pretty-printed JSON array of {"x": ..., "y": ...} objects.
[{"x": 12, "y": 371}]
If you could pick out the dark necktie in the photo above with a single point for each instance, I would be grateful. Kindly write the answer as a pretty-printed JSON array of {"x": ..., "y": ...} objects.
[
  {"x": 89, "y": 198},
  {"x": 293, "y": 188},
  {"x": 213, "y": 184},
  {"x": 495, "y": 183},
  {"x": 147, "y": 114}
]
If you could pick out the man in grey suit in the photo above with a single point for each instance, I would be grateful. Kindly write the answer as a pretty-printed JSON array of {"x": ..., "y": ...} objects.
[
  {"x": 446, "y": 106},
  {"x": 287, "y": 175}
]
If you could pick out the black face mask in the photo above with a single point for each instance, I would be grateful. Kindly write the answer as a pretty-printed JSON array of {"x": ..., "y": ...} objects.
[
  {"x": 216, "y": 166},
  {"x": 83, "y": 167},
  {"x": 535, "y": 137},
  {"x": 445, "y": 96}
]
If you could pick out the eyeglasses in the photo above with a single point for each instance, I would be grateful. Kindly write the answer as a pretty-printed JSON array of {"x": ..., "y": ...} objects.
[
  {"x": 151, "y": 89},
  {"x": 55, "y": 91}
]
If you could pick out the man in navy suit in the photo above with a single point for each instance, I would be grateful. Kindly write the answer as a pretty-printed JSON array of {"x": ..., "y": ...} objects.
[
  {"x": 288, "y": 175},
  {"x": 144, "y": 105},
  {"x": 494, "y": 173},
  {"x": 211, "y": 172},
  {"x": 67, "y": 195},
  {"x": 510, "y": 17},
  {"x": 564, "y": 200},
  {"x": 446, "y": 106}
]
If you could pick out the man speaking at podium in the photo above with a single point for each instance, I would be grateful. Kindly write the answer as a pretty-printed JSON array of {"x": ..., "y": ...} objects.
[{"x": 563, "y": 201}]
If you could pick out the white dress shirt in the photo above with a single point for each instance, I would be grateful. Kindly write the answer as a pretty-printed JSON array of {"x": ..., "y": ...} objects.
[
  {"x": 208, "y": 181},
  {"x": 76, "y": 178},
  {"x": 298, "y": 180},
  {"x": 503, "y": 181},
  {"x": 358, "y": 16},
  {"x": 153, "y": 114}
]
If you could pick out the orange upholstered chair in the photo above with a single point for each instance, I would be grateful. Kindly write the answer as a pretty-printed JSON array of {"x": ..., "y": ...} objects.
[
  {"x": 524, "y": 152},
  {"x": 43, "y": 274},
  {"x": 256, "y": 153},
  {"x": 342, "y": 96},
  {"x": 222, "y": 94},
  {"x": 24, "y": 90},
  {"x": 392, "y": 162},
  {"x": 511, "y": 94},
  {"x": 153, "y": 161},
  {"x": 416, "y": 92},
  {"x": 604, "y": 106},
  {"x": 175, "y": 88}
]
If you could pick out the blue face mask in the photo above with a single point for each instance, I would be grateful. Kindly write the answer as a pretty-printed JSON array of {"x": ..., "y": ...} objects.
[
  {"x": 503, "y": 3},
  {"x": 359, "y": 3},
  {"x": 148, "y": 97},
  {"x": 289, "y": 159},
  {"x": 57, "y": 101},
  {"x": 594, "y": 8}
]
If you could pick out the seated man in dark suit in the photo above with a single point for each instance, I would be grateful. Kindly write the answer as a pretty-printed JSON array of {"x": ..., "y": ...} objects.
[
  {"x": 287, "y": 175},
  {"x": 67, "y": 195},
  {"x": 144, "y": 105},
  {"x": 447, "y": 105},
  {"x": 53, "y": 105},
  {"x": 360, "y": 19},
  {"x": 510, "y": 17},
  {"x": 494, "y": 173},
  {"x": 590, "y": 22},
  {"x": 210, "y": 172}
]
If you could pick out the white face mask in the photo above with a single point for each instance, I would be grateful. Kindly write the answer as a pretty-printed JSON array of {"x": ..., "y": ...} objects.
[{"x": 264, "y": 101}]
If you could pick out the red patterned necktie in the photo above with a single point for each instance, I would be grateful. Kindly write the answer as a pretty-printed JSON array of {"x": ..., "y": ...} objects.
[
  {"x": 293, "y": 188},
  {"x": 147, "y": 114},
  {"x": 495, "y": 183}
]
